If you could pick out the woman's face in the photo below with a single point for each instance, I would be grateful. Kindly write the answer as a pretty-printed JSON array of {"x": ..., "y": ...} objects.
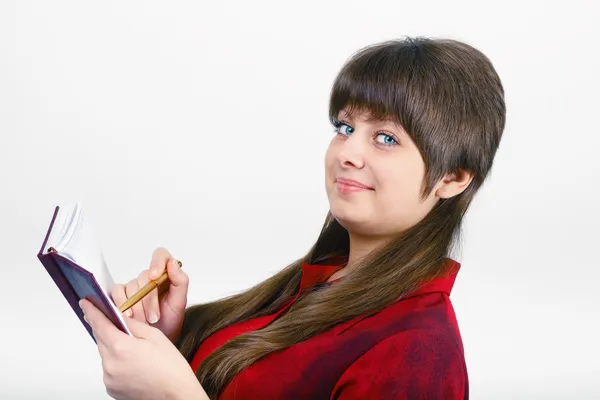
[{"x": 374, "y": 175}]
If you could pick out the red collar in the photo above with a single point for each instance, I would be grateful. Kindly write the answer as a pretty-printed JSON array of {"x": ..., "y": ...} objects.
[
  {"x": 314, "y": 274},
  {"x": 443, "y": 284}
]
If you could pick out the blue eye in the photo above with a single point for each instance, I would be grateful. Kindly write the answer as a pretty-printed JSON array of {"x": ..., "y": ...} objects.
[
  {"x": 387, "y": 139},
  {"x": 382, "y": 138},
  {"x": 338, "y": 125}
]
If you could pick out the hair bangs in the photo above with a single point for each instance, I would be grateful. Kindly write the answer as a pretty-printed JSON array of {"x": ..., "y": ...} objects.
[{"x": 376, "y": 82}]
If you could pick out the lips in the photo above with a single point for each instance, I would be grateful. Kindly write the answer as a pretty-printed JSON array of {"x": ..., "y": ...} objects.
[{"x": 347, "y": 185}]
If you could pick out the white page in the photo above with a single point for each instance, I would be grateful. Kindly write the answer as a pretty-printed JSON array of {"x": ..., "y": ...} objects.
[{"x": 81, "y": 246}]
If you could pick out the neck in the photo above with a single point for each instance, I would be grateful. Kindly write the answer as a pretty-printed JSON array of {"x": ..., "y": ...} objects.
[{"x": 360, "y": 247}]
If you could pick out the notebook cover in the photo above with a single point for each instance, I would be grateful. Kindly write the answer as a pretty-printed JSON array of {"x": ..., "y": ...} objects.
[{"x": 76, "y": 283}]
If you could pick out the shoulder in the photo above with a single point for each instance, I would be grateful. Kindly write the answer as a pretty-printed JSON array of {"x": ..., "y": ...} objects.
[{"x": 417, "y": 363}]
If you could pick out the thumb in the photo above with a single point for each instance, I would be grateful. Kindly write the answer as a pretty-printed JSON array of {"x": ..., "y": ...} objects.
[
  {"x": 178, "y": 278},
  {"x": 139, "y": 329}
]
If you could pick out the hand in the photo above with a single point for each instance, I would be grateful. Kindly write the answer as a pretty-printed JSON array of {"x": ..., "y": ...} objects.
[
  {"x": 165, "y": 313},
  {"x": 143, "y": 366}
]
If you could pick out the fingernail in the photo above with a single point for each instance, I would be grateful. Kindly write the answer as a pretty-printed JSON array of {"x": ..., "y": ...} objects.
[
  {"x": 81, "y": 304},
  {"x": 128, "y": 313},
  {"x": 153, "y": 318}
]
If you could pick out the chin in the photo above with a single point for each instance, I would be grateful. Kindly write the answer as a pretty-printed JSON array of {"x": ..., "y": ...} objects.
[
  {"x": 349, "y": 217},
  {"x": 355, "y": 226}
]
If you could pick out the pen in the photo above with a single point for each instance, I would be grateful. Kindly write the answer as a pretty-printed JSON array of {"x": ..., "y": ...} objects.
[{"x": 150, "y": 286}]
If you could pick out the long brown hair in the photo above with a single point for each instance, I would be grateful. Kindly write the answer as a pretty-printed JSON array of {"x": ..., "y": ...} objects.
[{"x": 449, "y": 98}]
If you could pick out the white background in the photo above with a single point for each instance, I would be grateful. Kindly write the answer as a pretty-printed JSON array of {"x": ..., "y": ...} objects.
[{"x": 202, "y": 127}]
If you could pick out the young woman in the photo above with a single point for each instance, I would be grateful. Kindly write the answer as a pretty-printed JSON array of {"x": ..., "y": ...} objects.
[{"x": 366, "y": 314}]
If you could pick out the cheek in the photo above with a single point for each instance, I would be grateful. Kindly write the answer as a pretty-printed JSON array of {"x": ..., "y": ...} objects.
[
  {"x": 330, "y": 160},
  {"x": 401, "y": 188}
]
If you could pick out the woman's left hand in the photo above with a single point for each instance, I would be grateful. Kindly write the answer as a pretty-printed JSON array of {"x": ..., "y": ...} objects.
[{"x": 145, "y": 366}]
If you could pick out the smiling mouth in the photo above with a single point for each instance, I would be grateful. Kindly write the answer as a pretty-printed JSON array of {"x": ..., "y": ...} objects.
[{"x": 350, "y": 186}]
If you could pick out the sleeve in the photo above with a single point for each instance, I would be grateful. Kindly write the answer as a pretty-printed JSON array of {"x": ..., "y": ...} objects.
[{"x": 417, "y": 364}]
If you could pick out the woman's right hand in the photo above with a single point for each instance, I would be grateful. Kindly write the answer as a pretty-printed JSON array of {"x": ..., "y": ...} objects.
[{"x": 165, "y": 313}]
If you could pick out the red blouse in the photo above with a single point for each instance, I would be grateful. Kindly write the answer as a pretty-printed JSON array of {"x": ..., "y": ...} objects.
[{"x": 410, "y": 350}]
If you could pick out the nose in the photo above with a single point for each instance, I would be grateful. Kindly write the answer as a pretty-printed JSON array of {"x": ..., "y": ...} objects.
[{"x": 352, "y": 152}]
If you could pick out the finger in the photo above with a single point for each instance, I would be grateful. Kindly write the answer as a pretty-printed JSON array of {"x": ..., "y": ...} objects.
[
  {"x": 150, "y": 301},
  {"x": 103, "y": 329},
  {"x": 137, "y": 311},
  {"x": 160, "y": 257},
  {"x": 119, "y": 297}
]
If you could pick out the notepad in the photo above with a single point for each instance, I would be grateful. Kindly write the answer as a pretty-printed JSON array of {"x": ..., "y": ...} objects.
[{"x": 73, "y": 259}]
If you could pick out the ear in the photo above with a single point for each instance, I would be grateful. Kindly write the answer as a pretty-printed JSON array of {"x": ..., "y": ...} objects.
[{"x": 454, "y": 184}]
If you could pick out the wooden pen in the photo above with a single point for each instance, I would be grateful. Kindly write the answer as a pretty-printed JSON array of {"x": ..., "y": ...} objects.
[{"x": 162, "y": 283}]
